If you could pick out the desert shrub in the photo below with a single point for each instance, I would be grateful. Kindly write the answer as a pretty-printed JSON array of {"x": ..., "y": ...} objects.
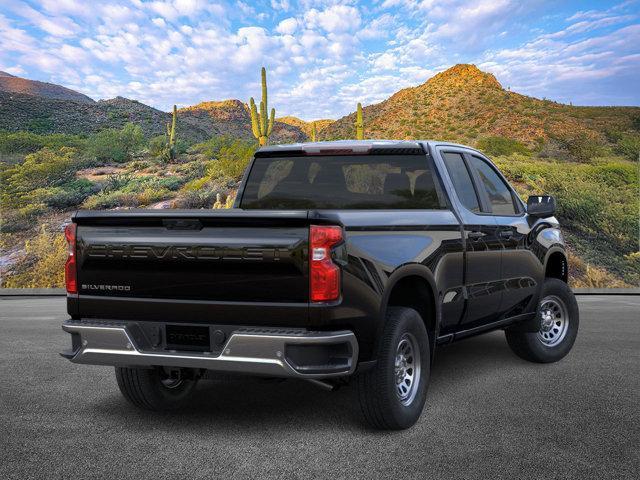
[
  {"x": 68, "y": 195},
  {"x": 106, "y": 200},
  {"x": 131, "y": 195},
  {"x": 233, "y": 160},
  {"x": 597, "y": 200},
  {"x": 116, "y": 145},
  {"x": 157, "y": 145},
  {"x": 580, "y": 146},
  {"x": 44, "y": 169},
  {"x": 171, "y": 183},
  {"x": 46, "y": 254},
  {"x": 501, "y": 146},
  {"x": 629, "y": 146},
  {"x": 203, "y": 198},
  {"x": 584, "y": 275},
  {"x": 40, "y": 125},
  {"x": 232, "y": 155},
  {"x": 28, "y": 142},
  {"x": 24, "y": 218}
]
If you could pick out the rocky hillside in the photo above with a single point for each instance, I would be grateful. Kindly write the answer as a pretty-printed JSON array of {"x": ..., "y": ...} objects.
[
  {"x": 46, "y": 108},
  {"x": 306, "y": 126},
  {"x": 232, "y": 117},
  {"x": 463, "y": 104},
  {"x": 12, "y": 84},
  {"x": 20, "y": 111}
]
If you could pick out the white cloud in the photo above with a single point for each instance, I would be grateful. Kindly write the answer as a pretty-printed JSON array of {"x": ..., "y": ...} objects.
[
  {"x": 56, "y": 26},
  {"x": 338, "y": 18},
  {"x": 280, "y": 5},
  {"x": 287, "y": 26},
  {"x": 159, "y": 22}
]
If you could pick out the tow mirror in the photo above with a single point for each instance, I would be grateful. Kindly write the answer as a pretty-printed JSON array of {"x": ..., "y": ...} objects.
[{"x": 541, "y": 206}]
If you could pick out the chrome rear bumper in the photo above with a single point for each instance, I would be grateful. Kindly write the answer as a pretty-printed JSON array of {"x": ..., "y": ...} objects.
[{"x": 256, "y": 351}]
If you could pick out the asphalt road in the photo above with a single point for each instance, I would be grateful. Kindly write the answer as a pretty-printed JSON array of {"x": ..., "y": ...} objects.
[{"x": 488, "y": 415}]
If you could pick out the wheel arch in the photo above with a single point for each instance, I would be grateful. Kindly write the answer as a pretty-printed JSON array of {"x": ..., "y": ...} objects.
[
  {"x": 413, "y": 286},
  {"x": 556, "y": 264}
]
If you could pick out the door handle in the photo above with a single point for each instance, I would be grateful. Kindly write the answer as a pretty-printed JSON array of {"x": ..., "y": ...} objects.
[
  {"x": 475, "y": 236},
  {"x": 506, "y": 234}
]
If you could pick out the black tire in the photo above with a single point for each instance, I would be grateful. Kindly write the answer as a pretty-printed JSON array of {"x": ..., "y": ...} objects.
[
  {"x": 378, "y": 391},
  {"x": 533, "y": 346},
  {"x": 149, "y": 389}
]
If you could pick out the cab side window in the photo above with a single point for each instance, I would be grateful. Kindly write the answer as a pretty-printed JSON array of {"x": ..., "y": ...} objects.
[
  {"x": 499, "y": 194},
  {"x": 461, "y": 180}
]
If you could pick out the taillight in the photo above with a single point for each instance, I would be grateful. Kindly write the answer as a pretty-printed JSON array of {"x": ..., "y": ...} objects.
[
  {"x": 70, "y": 276},
  {"x": 324, "y": 274}
]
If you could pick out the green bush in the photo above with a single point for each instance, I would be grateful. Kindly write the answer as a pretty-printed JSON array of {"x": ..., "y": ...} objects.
[
  {"x": 497, "y": 146},
  {"x": 70, "y": 194},
  {"x": 116, "y": 145},
  {"x": 581, "y": 146},
  {"x": 233, "y": 160},
  {"x": 44, "y": 169},
  {"x": 27, "y": 142},
  {"x": 44, "y": 267},
  {"x": 120, "y": 198},
  {"x": 157, "y": 145},
  {"x": 629, "y": 146}
]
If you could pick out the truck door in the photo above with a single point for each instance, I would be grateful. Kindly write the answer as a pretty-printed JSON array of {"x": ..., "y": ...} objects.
[
  {"x": 522, "y": 271},
  {"x": 483, "y": 247}
]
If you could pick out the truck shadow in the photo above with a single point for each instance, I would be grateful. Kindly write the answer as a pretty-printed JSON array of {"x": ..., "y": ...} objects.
[{"x": 246, "y": 403}]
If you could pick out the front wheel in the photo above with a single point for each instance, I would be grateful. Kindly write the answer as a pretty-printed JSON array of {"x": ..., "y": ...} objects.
[
  {"x": 393, "y": 393},
  {"x": 558, "y": 318},
  {"x": 154, "y": 388}
]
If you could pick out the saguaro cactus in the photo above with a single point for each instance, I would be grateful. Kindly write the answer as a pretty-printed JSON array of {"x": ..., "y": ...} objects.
[
  {"x": 314, "y": 132},
  {"x": 171, "y": 136},
  {"x": 260, "y": 124},
  {"x": 359, "y": 124}
]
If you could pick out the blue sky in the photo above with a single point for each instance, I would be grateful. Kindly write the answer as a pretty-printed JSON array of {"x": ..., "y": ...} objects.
[{"x": 322, "y": 56}]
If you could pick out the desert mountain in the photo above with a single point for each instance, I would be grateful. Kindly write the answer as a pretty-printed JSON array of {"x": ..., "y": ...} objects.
[
  {"x": 306, "y": 126},
  {"x": 232, "y": 117},
  {"x": 12, "y": 84},
  {"x": 463, "y": 104},
  {"x": 48, "y": 108}
]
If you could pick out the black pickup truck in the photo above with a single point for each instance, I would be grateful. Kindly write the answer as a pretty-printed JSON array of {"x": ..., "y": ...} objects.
[{"x": 339, "y": 260}]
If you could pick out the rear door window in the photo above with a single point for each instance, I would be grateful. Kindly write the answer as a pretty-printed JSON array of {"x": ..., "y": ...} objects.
[{"x": 342, "y": 182}]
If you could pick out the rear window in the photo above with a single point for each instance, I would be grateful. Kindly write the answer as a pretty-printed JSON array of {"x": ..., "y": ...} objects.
[{"x": 342, "y": 182}]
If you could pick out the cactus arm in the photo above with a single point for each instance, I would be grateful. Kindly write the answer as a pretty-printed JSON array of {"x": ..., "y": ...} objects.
[
  {"x": 254, "y": 118},
  {"x": 263, "y": 119},
  {"x": 359, "y": 124},
  {"x": 172, "y": 137},
  {"x": 263, "y": 74},
  {"x": 271, "y": 120}
]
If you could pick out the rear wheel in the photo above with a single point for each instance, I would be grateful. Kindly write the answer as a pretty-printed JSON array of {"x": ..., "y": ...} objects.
[
  {"x": 393, "y": 393},
  {"x": 154, "y": 389},
  {"x": 558, "y": 318}
]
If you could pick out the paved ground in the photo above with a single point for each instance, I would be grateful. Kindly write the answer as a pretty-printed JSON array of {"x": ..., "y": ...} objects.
[{"x": 489, "y": 415}]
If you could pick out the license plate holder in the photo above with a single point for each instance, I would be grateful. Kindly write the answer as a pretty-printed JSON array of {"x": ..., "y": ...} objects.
[{"x": 188, "y": 337}]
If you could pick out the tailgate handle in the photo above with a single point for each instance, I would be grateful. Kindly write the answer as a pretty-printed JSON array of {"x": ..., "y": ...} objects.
[{"x": 182, "y": 224}]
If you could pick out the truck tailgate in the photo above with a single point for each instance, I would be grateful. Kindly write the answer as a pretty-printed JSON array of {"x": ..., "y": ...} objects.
[{"x": 140, "y": 258}]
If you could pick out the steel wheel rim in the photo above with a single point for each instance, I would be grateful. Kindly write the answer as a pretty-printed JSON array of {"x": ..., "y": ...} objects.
[
  {"x": 554, "y": 321},
  {"x": 407, "y": 368}
]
